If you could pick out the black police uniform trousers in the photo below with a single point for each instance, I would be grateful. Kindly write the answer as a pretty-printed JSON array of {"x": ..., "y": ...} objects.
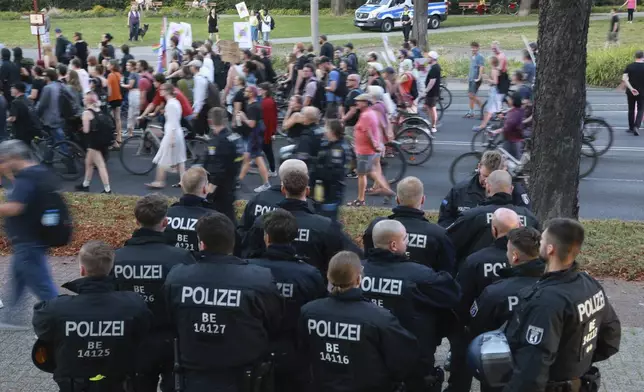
[
  {"x": 460, "y": 376},
  {"x": 209, "y": 381},
  {"x": 156, "y": 359},
  {"x": 406, "y": 30},
  {"x": 223, "y": 200}
]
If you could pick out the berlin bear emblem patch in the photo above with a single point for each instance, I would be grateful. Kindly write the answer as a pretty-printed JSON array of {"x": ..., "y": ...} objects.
[{"x": 534, "y": 335}]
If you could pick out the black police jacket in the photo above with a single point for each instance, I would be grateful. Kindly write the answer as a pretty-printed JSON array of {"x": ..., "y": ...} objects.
[
  {"x": 223, "y": 161},
  {"x": 330, "y": 169},
  {"x": 563, "y": 324},
  {"x": 472, "y": 231},
  {"x": 414, "y": 293},
  {"x": 319, "y": 238},
  {"x": 298, "y": 283},
  {"x": 497, "y": 301},
  {"x": 262, "y": 203},
  {"x": 354, "y": 345},
  {"x": 428, "y": 243},
  {"x": 308, "y": 145},
  {"x": 469, "y": 194},
  {"x": 93, "y": 332},
  {"x": 182, "y": 221},
  {"x": 480, "y": 270},
  {"x": 142, "y": 266},
  {"x": 224, "y": 310}
]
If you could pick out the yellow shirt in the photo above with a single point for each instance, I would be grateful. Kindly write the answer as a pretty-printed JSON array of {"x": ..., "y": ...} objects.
[{"x": 253, "y": 21}]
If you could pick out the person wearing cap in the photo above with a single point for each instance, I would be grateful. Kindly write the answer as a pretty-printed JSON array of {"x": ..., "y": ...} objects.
[
  {"x": 433, "y": 88},
  {"x": 63, "y": 55},
  {"x": 406, "y": 19},
  {"x": 351, "y": 59},
  {"x": 368, "y": 144},
  {"x": 326, "y": 47},
  {"x": 336, "y": 86}
]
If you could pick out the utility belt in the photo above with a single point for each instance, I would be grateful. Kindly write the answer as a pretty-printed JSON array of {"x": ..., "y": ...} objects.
[
  {"x": 259, "y": 377},
  {"x": 95, "y": 384},
  {"x": 589, "y": 382}
]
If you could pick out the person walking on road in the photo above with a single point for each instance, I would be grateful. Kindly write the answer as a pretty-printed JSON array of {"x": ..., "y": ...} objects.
[
  {"x": 477, "y": 67},
  {"x": 631, "y": 5},
  {"x": 634, "y": 80}
]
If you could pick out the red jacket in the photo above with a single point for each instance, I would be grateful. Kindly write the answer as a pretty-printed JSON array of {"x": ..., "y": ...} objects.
[{"x": 269, "y": 111}]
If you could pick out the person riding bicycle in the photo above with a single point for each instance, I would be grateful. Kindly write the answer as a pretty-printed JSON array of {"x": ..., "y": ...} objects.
[{"x": 513, "y": 127}]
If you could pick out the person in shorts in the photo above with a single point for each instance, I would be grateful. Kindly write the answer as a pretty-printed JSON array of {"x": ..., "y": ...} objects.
[
  {"x": 253, "y": 119},
  {"x": 477, "y": 65},
  {"x": 433, "y": 89},
  {"x": 115, "y": 98}
]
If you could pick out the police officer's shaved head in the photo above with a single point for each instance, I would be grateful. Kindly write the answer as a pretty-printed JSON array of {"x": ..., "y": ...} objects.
[
  {"x": 194, "y": 181},
  {"x": 410, "y": 192},
  {"x": 503, "y": 221},
  {"x": 499, "y": 181},
  {"x": 280, "y": 227},
  {"x": 311, "y": 114},
  {"x": 344, "y": 272},
  {"x": 96, "y": 259},
  {"x": 216, "y": 233},
  {"x": 151, "y": 211},
  {"x": 290, "y": 165},
  {"x": 389, "y": 234},
  {"x": 523, "y": 244},
  {"x": 562, "y": 239}
]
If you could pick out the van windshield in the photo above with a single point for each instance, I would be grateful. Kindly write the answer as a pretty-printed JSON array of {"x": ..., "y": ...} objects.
[{"x": 377, "y": 2}]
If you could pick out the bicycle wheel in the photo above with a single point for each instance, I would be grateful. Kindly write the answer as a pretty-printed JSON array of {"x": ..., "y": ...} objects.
[
  {"x": 393, "y": 163},
  {"x": 587, "y": 160},
  {"x": 281, "y": 112},
  {"x": 598, "y": 133},
  {"x": 496, "y": 9},
  {"x": 446, "y": 97},
  {"x": 513, "y": 8},
  {"x": 415, "y": 122},
  {"x": 481, "y": 141},
  {"x": 440, "y": 109},
  {"x": 67, "y": 160},
  {"x": 137, "y": 153},
  {"x": 464, "y": 167},
  {"x": 196, "y": 150},
  {"x": 416, "y": 144}
]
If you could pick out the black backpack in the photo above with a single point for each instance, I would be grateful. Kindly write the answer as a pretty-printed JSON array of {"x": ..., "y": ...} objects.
[
  {"x": 272, "y": 23},
  {"x": 341, "y": 90},
  {"x": 319, "y": 99},
  {"x": 55, "y": 224},
  {"x": 414, "y": 88},
  {"x": 103, "y": 127},
  {"x": 68, "y": 106},
  {"x": 354, "y": 64},
  {"x": 152, "y": 91}
]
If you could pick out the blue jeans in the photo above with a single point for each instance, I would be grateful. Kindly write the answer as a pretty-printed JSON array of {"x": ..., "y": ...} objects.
[
  {"x": 29, "y": 269},
  {"x": 253, "y": 33},
  {"x": 266, "y": 35}
]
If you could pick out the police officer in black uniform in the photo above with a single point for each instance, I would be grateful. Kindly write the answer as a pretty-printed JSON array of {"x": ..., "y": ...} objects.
[
  {"x": 495, "y": 304},
  {"x": 299, "y": 283},
  {"x": 141, "y": 266},
  {"x": 318, "y": 238},
  {"x": 471, "y": 232},
  {"x": 92, "y": 336},
  {"x": 413, "y": 292},
  {"x": 428, "y": 243},
  {"x": 224, "y": 311},
  {"x": 564, "y": 323},
  {"x": 477, "y": 272},
  {"x": 223, "y": 162},
  {"x": 469, "y": 194},
  {"x": 329, "y": 173},
  {"x": 352, "y": 344},
  {"x": 184, "y": 214}
]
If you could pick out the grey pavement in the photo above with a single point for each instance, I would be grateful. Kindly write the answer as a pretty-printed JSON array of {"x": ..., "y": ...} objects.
[{"x": 624, "y": 372}]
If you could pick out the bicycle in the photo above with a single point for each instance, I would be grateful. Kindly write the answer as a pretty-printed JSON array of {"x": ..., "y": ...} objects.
[
  {"x": 507, "y": 7},
  {"x": 466, "y": 165},
  {"x": 138, "y": 150},
  {"x": 65, "y": 158},
  {"x": 414, "y": 135},
  {"x": 592, "y": 133},
  {"x": 392, "y": 161}
]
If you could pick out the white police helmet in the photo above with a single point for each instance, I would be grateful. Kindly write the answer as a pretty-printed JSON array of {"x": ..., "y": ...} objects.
[{"x": 490, "y": 359}]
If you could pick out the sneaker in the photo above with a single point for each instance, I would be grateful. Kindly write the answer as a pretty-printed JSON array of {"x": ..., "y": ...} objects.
[
  {"x": 81, "y": 188},
  {"x": 272, "y": 174},
  {"x": 636, "y": 131},
  {"x": 476, "y": 129},
  {"x": 352, "y": 174},
  {"x": 238, "y": 186},
  {"x": 106, "y": 192},
  {"x": 262, "y": 188},
  {"x": 434, "y": 130}
]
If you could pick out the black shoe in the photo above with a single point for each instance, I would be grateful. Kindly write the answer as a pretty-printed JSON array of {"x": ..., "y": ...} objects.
[
  {"x": 81, "y": 188},
  {"x": 636, "y": 132},
  {"x": 106, "y": 192},
  {"x": 630, "y": 130}
]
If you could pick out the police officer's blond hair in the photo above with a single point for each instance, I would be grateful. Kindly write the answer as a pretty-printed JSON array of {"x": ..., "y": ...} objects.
[
  {"x": 385, "y": 231},
  {"x": 410, "y": 192},
  {"x": 492, "y": 160},
  {"x": 344, "y": 270},
  {"x": 193, "y": 180},
  {"x": 499, "y": 181},
  {"x": 97, "y": 257}
]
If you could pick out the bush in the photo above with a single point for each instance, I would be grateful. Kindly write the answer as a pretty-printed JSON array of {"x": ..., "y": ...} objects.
[{"x": 606, "y": 66}]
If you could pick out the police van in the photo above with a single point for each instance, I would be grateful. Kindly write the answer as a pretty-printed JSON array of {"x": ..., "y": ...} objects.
[{"x": 385, "y": 15}]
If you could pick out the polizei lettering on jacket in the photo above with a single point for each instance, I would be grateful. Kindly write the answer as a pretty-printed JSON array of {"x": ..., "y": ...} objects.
[
  {"x": 522, "y": 219},
  {"x": 180, "y": 223},
  {"x": 213, "y": 297},
  {"x": 125, "y": 271},
  {"x": 381, "y": 285},
  {"x": 261, "y": 210},
  {"x": 591, "y": 306},
  {"x": 95, "y": 328},
  {"x": 335, "y": 330}
]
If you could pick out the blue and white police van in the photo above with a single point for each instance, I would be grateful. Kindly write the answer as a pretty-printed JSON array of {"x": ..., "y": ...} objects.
[{"x": 385, "y": 15}]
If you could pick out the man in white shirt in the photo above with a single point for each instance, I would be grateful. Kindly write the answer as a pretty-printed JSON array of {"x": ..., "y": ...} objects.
[
  {"x": 267, "y": 23},
  {"x": 77, "y": 66}
]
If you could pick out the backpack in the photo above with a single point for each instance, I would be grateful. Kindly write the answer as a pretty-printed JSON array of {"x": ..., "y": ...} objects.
[
  {"x": 319, "y": 99},
  {"x": 354, "y": 66},
  {"x": 55, "y": 224},
  {"x": 102, "y": 127},
  {"x": 68, "y": 106},
  {"x": 152, "y": 91},
  {"x": 272, "y": 23},
  {"x": 414, "y": 86},
  {"x": 221, "y": 71},
  {"x": 70, "y": 50},
  {"x": 341, "y": 86}
]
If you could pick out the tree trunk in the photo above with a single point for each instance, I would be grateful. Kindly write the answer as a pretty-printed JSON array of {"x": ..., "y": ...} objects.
[
  {"x": 338, "y": 7},
  {"x": 559, "y": 107},
  {"x": 419, "y": 24}
]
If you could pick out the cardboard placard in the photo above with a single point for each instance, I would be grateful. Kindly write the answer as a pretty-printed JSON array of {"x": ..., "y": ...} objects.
[
  {"x": 242, "y": 10},
  {"x": 241, "y": 33},
  {"x": 36, "y": 19},
  {"x": 229, "y": 51}
]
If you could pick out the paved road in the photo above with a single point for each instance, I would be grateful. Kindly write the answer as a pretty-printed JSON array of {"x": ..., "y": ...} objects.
[
  {"x": 622, "y": 372},
  {"x": 612, "y": 191}
]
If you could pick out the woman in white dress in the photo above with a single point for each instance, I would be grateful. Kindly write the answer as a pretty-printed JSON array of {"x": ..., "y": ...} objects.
[{"x": 172, "y": 151}]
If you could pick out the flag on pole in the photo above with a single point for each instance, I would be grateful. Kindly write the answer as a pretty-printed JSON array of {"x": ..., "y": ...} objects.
[{"x": 162, "y": 47}]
